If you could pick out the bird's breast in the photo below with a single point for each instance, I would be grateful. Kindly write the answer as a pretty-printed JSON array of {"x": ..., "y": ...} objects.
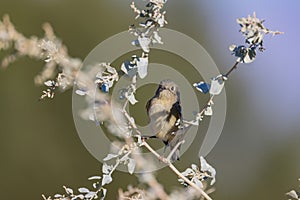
[{"x": 162, "y": 120}]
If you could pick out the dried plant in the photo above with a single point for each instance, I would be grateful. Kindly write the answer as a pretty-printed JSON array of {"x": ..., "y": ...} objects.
[
  {"x": 62, "y": 71},
  {"x": 294, "y": 194}
]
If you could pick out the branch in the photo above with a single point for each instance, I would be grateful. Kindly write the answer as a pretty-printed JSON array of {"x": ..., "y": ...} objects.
[
  {"x": 48, "y": 48},
  {"x": 209, "y": 102},
  {"x": 129, "y": 118},
  {"x": 164, "y": 160},
  {"x": 206, "y": 105},
  {"x": 175, "y": 170},
  {"x": 231, "y": 69},
  {"x": 150, "y": 180},
  {"x": 174, "y": 149},
  {"x": 212, "y": 96}
]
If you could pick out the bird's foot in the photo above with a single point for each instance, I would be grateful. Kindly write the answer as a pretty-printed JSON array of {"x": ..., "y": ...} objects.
[
  {"x": 162, "y": 159},
  {"x": 146, "y": 137}
]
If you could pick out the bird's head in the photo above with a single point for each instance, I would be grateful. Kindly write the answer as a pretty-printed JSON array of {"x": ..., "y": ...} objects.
[{"x": 168, "y": 89}]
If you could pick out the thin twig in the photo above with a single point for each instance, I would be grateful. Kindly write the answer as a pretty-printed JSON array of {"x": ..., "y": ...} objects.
[
  {"x": 152, "y": 182},
  {"x": 190, "y": 123},
  {"x": 174, "y": 149},
  {"x": 231, "y": 69},
  {"x": 153, "y": 151},
  {"x": 118, "y": 162},
  {"x": 96, "y": 193},
  {"x": 206, "y": 105},
  {"x": 175, "y": 170},
  {"x": 129, "y": 118},
  {"x": 212, "y": 96},
  {"x": 125, "y": 105}
]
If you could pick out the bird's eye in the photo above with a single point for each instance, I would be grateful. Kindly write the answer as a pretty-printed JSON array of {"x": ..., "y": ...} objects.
[{"x": 173, "y": 88}]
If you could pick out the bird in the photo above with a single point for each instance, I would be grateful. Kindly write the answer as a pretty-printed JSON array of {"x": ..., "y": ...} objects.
[{"x": 164, "y": 112}]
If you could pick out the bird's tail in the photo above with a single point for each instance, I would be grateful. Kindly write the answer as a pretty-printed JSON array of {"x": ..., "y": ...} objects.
[{"x": 178, "y": 138}]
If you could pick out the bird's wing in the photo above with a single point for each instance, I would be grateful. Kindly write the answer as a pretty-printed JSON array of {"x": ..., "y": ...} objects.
[
  {"x": 174, "y": 118},
  {"x": 148, "y": 105},
  {"x": 176, "y": 110},
  {"x": 176, "y": 134},
  {"x": 164, "y": 122}
]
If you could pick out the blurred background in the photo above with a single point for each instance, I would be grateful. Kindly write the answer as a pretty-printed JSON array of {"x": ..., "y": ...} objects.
[{"x": 257, "y": 155}]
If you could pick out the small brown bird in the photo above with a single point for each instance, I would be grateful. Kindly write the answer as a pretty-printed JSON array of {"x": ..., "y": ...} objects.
[{"x": 164, "y": 111}]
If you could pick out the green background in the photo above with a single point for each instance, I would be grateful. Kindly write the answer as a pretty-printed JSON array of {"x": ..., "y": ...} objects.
[{"x": 257, "y": 156}]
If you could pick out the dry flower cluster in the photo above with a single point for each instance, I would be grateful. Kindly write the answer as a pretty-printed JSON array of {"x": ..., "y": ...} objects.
[{"x": 59, "y": 66}]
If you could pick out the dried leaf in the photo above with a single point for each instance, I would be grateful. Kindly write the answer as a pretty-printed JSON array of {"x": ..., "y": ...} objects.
[
  {"x": 111, "y": 69},
  {"x": 194, "y": 167},
  {"x": 69, "y": 190},
  {"x": 80, "y": 92},
  {"x": 293, "y": 194},
  {"x": 106, "y": 179},
  {"x": 94, "y": 178},
  {"x": 110, "y": 156},
  {"x": 144, "y": 43},
  {"x": 208, "y": 111},
  {"x": 58, "y": 196},
  {"x": 83, "y": 190},
  {"x": 187, "y": 172},
  {"x": 142, "y": 67},
  {"x": 205, "y": 167},
  {"x": 131, "y": 165},
  {"x": 49, "y": 83},
  {"x": 105, "y": 87},
  {"x": 80, "y": 196},
  {"x": 104, "y": 191},
  {"x": 156, "y": 38},
  {"x": 131, "y": 98},
  {"x": 106, "y": 168},
  {"x": 128, "y": 68},
  {"x": 139, "y": 139},
  {"x": 90, "y": 195},
  {"x": 198, "y": 182},
  {"x": 250, "y": 56},
  {"x": 96, "y": 185},
  {"x": 217, "y": 85},
  {"x": 135, "y": 43},
  {"x": 161, "y": 21},
  {"x": 202, "y": 87}
]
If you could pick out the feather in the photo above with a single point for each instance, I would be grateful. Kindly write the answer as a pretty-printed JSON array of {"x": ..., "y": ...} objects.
[{"x": 164, "y": 112}]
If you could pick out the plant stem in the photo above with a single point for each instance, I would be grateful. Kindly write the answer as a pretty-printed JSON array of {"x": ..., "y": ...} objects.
[
  {"x": 174, "y": 149},
  {"x": 152, "y": 182},
  {"x": 207, "y": 104},
  {"x": 130, "y": 121},
  {"x": 175, "y": 170},
  {"x": 212, "y": 96},
  {"x": 232, "y": 68}
]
